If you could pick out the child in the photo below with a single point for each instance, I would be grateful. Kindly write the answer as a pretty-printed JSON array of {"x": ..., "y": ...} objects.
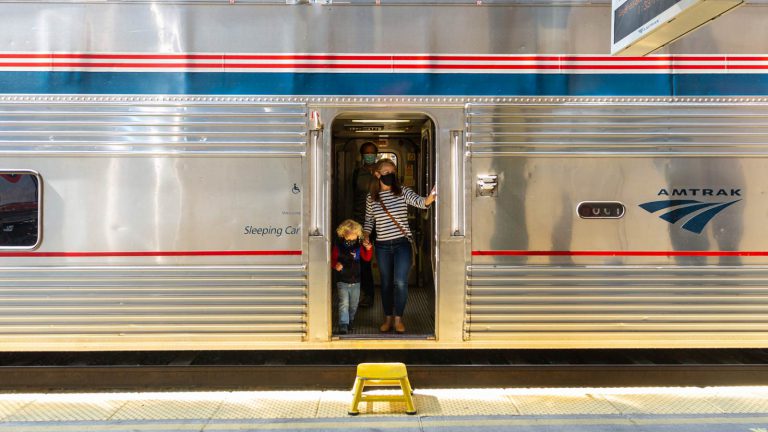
[{"x": 345, "y": 259}]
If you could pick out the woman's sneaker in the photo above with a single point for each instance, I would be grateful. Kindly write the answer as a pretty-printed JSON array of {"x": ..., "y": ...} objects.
[{"x": 343, "y": 329}]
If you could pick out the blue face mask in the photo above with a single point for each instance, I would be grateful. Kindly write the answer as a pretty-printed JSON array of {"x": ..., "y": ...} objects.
[{"x": 369, "y": 159}]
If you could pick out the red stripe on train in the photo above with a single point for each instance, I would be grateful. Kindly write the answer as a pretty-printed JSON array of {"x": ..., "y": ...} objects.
[
  {"x": 150, "y": 253},
  {"x": 378, "y": 57},
  {"x": 194, "y": 56},
  {"x": 320, "y": 66},
  {"x": 616, "y": 253}
]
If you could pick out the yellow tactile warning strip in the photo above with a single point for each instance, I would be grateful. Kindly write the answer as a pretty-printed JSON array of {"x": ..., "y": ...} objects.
[
  {"x": 173, "y": 406},
  {"x": 545, "y": 404},
  {"x": 66, "y": 407},
  {"x": 11, "y": 403},
  {"x": 662, "y": 404},
  {"x": 270, "y": 404},
  {"x": 684, "y": 401},
  {"x": 735, "y": 401},
  {"x": 465, "y": 402},
  {"x": 229, "y": 408}
]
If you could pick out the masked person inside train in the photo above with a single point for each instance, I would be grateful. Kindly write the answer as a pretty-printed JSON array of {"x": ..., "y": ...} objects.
[
  {"x": 386, "y": 211},
  {"x": 361, "y": 184}
]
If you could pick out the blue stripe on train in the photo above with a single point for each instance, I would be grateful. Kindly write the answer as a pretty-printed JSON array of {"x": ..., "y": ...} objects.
[{"x": 406, "y": 84}]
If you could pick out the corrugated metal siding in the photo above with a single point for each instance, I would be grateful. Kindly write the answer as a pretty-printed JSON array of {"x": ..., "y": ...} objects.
[
  {"x": 137, "y": 125},
  {"x": 502, "y": 301},
  {"x": 507, "y": 299},
  {"x": 267, "y": 303},
  {"x": 622, "y": 129}
]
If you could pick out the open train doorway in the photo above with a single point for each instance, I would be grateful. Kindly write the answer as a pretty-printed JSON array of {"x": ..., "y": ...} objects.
[{"x": 408, "y": 140}]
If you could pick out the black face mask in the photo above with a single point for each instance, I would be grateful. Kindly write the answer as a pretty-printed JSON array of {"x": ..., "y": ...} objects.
[
  {"x": 387, "y": 179},
  {"x": 350, "y": 243}
]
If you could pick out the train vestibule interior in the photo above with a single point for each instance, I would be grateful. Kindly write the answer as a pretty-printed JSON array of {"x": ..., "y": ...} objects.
[{"x": 408, "y": 140}]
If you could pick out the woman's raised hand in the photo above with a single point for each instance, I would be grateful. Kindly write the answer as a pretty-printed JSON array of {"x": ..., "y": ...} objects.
[{"x": 432, "y": 196}]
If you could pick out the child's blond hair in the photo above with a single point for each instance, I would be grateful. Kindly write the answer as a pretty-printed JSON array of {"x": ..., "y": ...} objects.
[{"x": 349, "y": 227}]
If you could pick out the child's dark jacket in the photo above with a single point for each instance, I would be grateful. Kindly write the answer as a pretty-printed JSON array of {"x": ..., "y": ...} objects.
[{"x": 349, "y": 256}]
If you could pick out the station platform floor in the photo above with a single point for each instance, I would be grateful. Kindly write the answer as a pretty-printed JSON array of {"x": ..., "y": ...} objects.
[{"x": 707, "y": 409}]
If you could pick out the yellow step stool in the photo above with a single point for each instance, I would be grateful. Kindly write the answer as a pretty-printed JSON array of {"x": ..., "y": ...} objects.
[{"x": 380, "y": 375}]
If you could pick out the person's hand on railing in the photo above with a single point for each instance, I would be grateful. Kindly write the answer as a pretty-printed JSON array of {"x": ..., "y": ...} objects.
[{"x": 431, "y": 197}]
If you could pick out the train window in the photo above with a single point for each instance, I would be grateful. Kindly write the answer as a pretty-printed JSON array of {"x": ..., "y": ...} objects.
[
  {"x": 387, "y": 155},
  {"x": 19, "y": 209}
]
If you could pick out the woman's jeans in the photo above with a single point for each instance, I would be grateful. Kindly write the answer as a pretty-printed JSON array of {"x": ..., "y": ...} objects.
[
  {"x": 349, "y": 295},
  {"x": 394, "y": 258}
]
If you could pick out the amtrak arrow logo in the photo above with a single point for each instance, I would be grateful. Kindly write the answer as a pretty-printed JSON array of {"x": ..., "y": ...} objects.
[{"x": 684, "y": 208}]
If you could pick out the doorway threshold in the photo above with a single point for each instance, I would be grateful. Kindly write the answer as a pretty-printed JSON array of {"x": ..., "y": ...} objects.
[{"x": 385, "y": 336}]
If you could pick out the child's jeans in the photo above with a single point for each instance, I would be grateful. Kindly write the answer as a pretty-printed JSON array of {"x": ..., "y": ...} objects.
[{"x": 349, "y": 295}]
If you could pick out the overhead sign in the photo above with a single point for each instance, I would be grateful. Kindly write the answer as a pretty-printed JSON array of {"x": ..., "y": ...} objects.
[{"x": 639, "y": 27}]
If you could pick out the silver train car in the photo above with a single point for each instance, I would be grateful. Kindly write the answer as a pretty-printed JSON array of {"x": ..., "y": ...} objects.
[{"x": 171, "y": 175}]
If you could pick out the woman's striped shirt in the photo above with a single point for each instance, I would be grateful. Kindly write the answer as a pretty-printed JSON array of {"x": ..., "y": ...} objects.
[{"x": 375, "y": 216}]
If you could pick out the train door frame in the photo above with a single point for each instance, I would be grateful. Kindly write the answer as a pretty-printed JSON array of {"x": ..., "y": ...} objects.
[
  {"x": 450, "y": 250},
  {"x": 409, "y": 166}
]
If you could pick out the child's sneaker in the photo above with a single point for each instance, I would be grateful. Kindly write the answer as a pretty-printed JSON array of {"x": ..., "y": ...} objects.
[{"x": 343, "y": 329}]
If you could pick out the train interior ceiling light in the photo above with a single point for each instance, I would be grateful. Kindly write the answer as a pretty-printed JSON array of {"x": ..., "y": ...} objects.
[{"x": 357, "y": 127}]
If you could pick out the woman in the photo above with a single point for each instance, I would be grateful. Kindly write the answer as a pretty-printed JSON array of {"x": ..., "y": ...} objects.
[{"x": 386, "y": 210}]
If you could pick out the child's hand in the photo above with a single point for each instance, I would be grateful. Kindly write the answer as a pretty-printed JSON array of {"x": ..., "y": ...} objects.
[
  {"x": 367, "y": 244},
  {"x": 339, "y": 267}
]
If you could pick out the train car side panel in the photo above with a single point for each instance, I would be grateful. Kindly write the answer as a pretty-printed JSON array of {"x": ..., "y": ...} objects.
[
  {"x": 166, "y": 225},
  {"x": 620, "y": 222}
]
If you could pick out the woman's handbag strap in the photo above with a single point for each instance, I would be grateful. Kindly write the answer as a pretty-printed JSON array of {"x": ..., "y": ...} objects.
[{"x": 381, "y": 203}]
